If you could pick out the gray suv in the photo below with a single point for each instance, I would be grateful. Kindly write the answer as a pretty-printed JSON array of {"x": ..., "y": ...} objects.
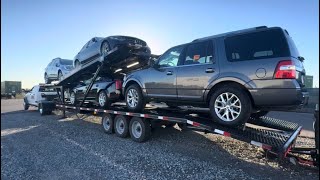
[{"x": 237, "y": 75}]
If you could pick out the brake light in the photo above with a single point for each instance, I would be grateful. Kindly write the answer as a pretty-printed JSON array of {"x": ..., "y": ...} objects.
[
  {"x": 118, "y": 84},
  {"x": 285, "y": 70}
]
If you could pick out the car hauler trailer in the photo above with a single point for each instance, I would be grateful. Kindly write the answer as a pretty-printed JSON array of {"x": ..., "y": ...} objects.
[{"x": 275, "y": 136}]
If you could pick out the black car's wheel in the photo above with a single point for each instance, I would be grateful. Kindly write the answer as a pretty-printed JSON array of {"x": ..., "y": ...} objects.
[
  {"x": 259, "y": 114},
  {"x": 73, "y": 99},
  {"x": 25, "y": 104},
  {"x": 46, "y": 79},
  {"x": 77, "y": 64},
  {"x": 103, "y": 99},
  {"x": 230, "y": 105},
  {"x": 60, "y": 75},
  {"x": 105, "y": 48},
  {"x": 134, "y": 98}
]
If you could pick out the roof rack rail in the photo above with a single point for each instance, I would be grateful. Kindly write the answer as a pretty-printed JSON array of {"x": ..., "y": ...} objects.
[{"x": 261, "y": 27}]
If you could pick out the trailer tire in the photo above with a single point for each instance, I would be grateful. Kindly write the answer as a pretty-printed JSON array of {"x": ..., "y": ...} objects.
[
  {"x": 140, "y": 130},
  {"x": 121, "y": 126},
  {"x": 107, "y": 123},
  {"x": 25, "y": 104}
]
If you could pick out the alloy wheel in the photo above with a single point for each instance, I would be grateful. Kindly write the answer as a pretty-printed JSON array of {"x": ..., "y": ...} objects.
[
  {"x": 132, "y": 98},
  {"x": 102, "y": 99},
  {"x": 227, "y": 106}
]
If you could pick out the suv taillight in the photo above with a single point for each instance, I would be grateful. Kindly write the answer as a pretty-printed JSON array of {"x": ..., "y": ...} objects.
[
  {"x": 285, "y": 70},
  {"x": 118, "y": 85}
]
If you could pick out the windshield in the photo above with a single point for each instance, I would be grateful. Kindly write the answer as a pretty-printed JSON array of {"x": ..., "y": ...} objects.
[
  {"x": 66, "y": 62},
  {"x": 46, "y": 89}
]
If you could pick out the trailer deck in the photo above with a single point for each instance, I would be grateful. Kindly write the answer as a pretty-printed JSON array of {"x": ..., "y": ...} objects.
[{"x": 268, "y": 133}]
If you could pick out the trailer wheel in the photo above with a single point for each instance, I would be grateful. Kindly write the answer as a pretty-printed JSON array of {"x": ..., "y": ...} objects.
[
  {"x": 107, "y": 124},
  {"x": 121, "y": 126},
  {"x": 140, "y": 130},
  {"x": 25, "y": 104}
]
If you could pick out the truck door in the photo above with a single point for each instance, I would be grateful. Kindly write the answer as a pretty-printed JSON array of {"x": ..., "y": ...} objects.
[{"x": 31, "y": 96}]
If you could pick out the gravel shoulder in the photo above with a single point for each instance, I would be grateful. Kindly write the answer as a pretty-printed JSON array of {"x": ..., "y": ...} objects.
[{"x": 46, "y": 147}]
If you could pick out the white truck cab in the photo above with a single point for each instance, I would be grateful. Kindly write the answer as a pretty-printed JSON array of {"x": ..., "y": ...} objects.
[{"x": 37, "y": 94}]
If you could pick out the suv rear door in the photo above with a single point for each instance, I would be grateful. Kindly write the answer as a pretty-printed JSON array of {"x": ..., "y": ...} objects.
[{"x": 197, "y": 69}]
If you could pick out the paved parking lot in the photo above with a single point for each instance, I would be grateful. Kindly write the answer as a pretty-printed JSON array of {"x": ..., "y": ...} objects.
[{"x": 46, "y": 147}]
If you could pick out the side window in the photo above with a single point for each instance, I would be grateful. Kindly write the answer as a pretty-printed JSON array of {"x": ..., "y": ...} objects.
[
  {"x": 171, "y": 57},
  {"x": 85, "y": 46},
  {"x": 210, "y": 56},
  {"x": 34, "y": 89},
  {"x": 199, "y": 53},
  {"x": 90, "y": 42}
]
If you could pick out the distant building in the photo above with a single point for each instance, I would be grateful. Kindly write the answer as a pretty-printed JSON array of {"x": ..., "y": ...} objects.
[
  {"x": 308, "y": 81},
  {"x": 10, "y": 86}
]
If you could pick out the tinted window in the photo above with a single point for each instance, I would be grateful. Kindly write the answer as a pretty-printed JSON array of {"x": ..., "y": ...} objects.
[
  {"x": 65, "y": 62},
  {"x": 258, "y": 45},
  {"x": 171, "y": 57},
  {"x": 46, "y": 89},
  {"x": 199, "y": 53},
  {"x": 196, "y": 53},
  {"x": 85, "y": 46},
  {"x": 293, "y": 49}
]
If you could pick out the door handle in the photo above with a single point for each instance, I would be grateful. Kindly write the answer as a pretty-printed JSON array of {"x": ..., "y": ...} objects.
[
  {"x": 209, "y": 70},
  {"x": 169, "y": 72}
]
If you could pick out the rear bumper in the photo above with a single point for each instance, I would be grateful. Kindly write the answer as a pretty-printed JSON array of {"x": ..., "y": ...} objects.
[{"x": 277, "y": 98}]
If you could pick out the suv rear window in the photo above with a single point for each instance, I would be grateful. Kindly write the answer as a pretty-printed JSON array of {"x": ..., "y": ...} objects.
[{"x": 257, "y": 45}]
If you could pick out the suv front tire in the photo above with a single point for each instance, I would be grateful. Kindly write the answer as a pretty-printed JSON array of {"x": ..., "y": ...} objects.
[{"x": 134, "y": 98}]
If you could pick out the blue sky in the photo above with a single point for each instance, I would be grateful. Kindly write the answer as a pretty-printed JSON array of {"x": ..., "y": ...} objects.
[{"x": 35, "y": 31}]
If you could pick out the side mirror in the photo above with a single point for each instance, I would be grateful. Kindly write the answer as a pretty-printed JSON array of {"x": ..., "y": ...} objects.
[{"x": 57, "y": 65}]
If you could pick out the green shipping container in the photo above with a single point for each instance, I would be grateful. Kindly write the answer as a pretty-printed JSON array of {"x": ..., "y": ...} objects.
[{"x": 10, "y": 86}]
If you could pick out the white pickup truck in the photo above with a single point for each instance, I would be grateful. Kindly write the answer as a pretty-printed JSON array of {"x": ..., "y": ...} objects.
[{"x": 39, "y": 93}]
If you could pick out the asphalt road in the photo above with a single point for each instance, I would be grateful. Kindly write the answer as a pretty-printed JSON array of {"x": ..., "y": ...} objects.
[{"x": 46, "y": 147}]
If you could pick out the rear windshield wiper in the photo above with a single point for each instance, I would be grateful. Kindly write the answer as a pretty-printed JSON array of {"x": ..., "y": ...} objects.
[{"x": 301, "y": 58}]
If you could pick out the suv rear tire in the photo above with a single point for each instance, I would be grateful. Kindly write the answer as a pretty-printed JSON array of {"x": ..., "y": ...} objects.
[
  {"x": 230, "y": 105},
  {"x": 134, "y": 98}
]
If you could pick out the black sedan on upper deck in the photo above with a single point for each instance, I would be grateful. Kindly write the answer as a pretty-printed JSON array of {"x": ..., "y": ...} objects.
[{"x": 99, "y": 46}]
